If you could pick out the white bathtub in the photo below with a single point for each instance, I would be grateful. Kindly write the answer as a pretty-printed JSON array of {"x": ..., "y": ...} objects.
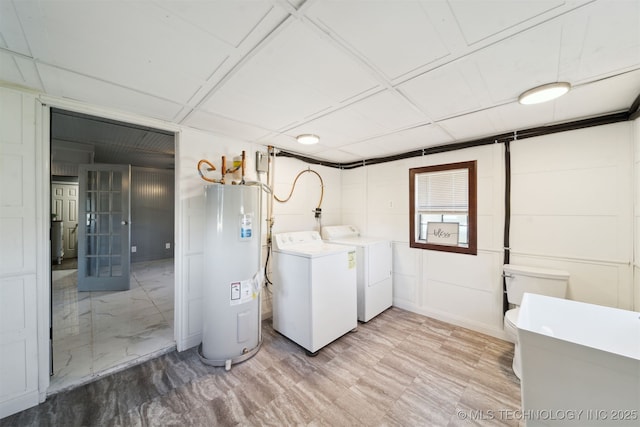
[{"x": 580, "y": 363}]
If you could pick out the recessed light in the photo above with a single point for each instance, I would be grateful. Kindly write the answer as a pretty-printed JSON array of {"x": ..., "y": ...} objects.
[
  {"x": 544, "y": 93},
  {"x": 308, "y": 139}
]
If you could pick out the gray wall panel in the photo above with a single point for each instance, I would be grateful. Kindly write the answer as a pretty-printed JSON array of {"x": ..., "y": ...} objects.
[{"x": 152, "y": 213}]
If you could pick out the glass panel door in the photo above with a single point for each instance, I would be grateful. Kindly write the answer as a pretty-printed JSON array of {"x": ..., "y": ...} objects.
[{"x": 104, "y": 230}]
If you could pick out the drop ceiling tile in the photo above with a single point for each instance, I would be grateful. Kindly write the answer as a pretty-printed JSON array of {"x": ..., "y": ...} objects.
[
  {"x": 595, "y": 47},
  {"x": 515, "y": 116},
  {"x": 479, "y": 20},
  {"x": 18, "y": 70},
  {"x": 521, "y": 62},
  {"x": 337, "y": 156},
  {"x": 389, "y": 110},
  {"x": 365, "y": 150},
  {"x": 11, "y": 34},
  {"x": 613, "y": 95},
  {"x": 447, "y": 91},
  {"x": 148, "y": 49},
  {"x": 400, "y": 142},
  {"x": 297, "y": 75},
  {"x": 65, "y": 84},
  {"x": 378, "y": 114},
  {"x": 470, "y": 126},
  {"x": 372, "y": 29},
  {"x": 214, "y": 123},
  {"x": 228, "y": 21}
]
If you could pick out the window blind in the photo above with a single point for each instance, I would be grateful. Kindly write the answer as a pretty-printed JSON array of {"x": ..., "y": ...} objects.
[{"x": 446, "y": 191}]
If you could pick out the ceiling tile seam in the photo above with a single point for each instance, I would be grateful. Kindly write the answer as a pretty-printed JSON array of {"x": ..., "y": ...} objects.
[
  {"x": 205, "y": 30},
  {"x": 236, "y": 53},
  {"x": 330, "y": 110},
  {"x": 13, "y": 54},
  {"x": 141, "y": 92},
  {"x": 511, "y": 28},
  {"x": 324, "y": 31},
  {"x": 246, "y": 57},
  {"x": 471, "y": 51},
  {"x": 223, "y": 117},
  {"x": 288, "y": 7},
  {"x": 605, "y": 76},
  {"x": 24, "y": 34},
  {"x": 254, "y": 28},
  {"x": 26, "y": 41},
  {"x": 189, "y": 106}
]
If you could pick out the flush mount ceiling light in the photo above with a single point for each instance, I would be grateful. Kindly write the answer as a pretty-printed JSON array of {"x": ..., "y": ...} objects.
[
  {"x": 308, "y": 139},
  {"x": 544, "y": 93}
]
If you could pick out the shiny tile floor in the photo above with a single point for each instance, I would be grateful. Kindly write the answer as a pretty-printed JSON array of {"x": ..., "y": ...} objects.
[
  {"x": 96, "y": 333},
  {"x": 399, "y": 369}
]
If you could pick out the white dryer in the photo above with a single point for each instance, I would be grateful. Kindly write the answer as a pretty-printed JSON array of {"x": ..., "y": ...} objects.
[
  {"x": 375, "y": 285},
  {"x": 314, "y": 289}
]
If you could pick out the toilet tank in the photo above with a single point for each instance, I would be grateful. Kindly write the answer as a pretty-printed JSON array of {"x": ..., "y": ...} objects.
[{"x": 520, "y": 279}]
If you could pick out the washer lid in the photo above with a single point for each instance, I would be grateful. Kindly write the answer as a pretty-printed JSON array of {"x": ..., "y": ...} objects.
[
  {"x": 315, "y": 249},
  {"x": 333, "y": 232},
  {"x": 359, "y": 241}
]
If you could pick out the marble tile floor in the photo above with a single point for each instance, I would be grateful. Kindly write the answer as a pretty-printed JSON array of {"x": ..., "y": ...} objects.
[
  {"x": 97, "y": 333},
  {"x": 399, "y": 369}
]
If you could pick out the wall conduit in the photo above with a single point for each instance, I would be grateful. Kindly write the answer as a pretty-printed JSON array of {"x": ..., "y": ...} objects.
[{"x": 507, "y": 218}]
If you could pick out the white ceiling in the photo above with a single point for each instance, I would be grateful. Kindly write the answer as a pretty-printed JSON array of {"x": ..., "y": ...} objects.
[{"x": 372, "y": 78}]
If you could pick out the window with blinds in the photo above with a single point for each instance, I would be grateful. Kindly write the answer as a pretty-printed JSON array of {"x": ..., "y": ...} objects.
[{"x": 443, "y": 199}]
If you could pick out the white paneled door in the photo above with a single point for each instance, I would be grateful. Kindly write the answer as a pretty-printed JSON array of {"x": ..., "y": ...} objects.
[
  {"x": 105, "y": 227},
  {"x": 64, "y": 205}
]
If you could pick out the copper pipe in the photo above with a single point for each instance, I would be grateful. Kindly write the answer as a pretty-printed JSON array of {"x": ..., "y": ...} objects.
[
  {"x": 210, "y": 168},
  {"x": 224, "y": 169}
]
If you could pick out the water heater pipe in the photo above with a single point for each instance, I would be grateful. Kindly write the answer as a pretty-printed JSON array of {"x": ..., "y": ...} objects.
[
  {"x": 210, "y": 168},
  {"x": 294, "y": 186}
]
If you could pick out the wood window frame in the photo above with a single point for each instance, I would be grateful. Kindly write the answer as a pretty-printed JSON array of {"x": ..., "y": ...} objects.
[{"x": 472, "y": 247}]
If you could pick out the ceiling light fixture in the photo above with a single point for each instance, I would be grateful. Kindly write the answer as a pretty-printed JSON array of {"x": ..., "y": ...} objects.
[
  {"x": 544, "y": 93},
  {"x": 308, "y": 139}
]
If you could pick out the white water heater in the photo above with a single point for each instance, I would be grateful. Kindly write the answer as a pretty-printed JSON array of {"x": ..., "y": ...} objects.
[{"x": 232, "y": 276}]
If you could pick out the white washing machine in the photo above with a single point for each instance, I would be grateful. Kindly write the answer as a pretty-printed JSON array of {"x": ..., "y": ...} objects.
[
  {"x": 375, "y": 284},
  {"x": 314, "y": 289}
]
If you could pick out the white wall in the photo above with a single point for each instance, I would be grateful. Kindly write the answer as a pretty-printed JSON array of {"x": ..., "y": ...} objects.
[
  {"x": 458, "y": 288},
  {"x": 572, "y": 209},
  {"x": 297, "y": 214}
]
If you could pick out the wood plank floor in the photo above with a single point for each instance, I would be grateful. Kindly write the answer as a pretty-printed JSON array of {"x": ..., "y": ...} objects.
[{"x": 399, "y": 369}]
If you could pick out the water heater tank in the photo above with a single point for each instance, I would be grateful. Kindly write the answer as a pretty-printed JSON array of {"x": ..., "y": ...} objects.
[{"x": 232, "y": 278}]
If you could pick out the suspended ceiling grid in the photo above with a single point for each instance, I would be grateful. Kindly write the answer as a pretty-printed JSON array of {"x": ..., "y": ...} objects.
[{"x": 372, "y": 78}]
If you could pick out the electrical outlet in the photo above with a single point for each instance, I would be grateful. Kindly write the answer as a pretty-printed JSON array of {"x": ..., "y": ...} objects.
[
  {"x": 134, "y": 249},
  {"x": 167, "y": 245}
]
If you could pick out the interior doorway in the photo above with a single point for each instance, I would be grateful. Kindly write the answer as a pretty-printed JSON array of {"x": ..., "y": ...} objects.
[{"x": 98, "y": 332}]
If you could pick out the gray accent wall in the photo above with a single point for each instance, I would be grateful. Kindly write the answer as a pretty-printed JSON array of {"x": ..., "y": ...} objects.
[{"x": 152, "y": 214}]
